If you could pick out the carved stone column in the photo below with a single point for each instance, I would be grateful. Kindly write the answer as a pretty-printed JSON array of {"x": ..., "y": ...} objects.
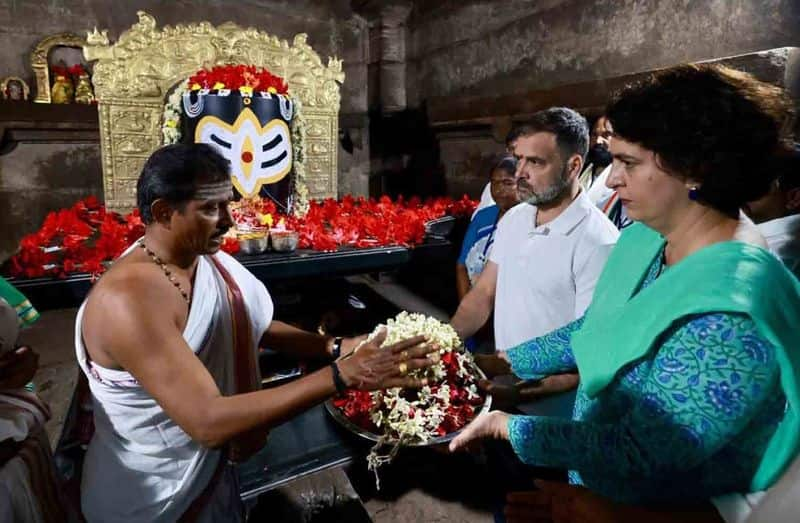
[
  {"x": 387, "y": 53},
  {"x": 392, "y": 35}
]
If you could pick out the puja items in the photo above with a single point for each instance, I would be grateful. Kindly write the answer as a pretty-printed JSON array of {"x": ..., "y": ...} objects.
[
  {"x": 431, "y": 415},
  {"x": 283, "y": 240},
  {"x": 254, "y": 242}
]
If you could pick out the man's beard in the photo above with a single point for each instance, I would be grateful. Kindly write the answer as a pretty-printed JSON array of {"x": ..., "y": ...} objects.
[
  {"x": 548, "y": 195},
  {"x": 599, "y": 156}
]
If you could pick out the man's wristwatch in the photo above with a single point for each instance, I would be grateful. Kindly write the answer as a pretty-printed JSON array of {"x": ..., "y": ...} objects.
[{"x": 336, "y": 351}]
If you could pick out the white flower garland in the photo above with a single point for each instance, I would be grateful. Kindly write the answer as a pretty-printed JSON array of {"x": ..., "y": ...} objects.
[
  {"x": 171, "y": 133},
  {"x": 171, "y": 126},
  {"x": 394, "y": 412}
]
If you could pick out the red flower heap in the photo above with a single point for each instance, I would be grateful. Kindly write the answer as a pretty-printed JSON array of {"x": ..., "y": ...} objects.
[
  {"x": 357, "y": 222},
  {"x": 80, "y": 239},
  {"x": 238, "y": 76}
]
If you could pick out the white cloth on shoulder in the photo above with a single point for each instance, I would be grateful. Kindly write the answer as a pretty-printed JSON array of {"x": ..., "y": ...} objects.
[{"x": 140, "y": 465}]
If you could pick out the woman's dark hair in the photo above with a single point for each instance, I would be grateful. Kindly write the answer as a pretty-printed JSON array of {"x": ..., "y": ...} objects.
[
  {"x": 708, "y": 123},
  {"x": 570, "y": 128},
  {"x": 173, "y": 173},
  {"x": 505, "y": 163}
]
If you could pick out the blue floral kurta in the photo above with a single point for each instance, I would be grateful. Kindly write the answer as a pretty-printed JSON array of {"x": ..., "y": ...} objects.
[{"x": 689, "y": 421}]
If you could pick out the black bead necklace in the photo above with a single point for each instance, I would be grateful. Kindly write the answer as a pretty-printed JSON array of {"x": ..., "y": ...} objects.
[{"x": 171, "y": 277}]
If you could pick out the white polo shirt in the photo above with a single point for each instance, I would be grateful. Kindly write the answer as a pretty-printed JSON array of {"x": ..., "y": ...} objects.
[
  {"x": 547, "y": 274},
  {"x": 783, "y": 239}
]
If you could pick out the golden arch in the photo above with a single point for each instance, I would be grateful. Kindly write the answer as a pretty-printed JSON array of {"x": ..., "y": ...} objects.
[{"x": 133, "y": 77}]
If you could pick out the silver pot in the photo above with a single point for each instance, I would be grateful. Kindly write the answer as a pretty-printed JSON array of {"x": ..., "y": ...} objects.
[
  {"x": 284, "y": 241},
  {"x": 253, "y": 244}
]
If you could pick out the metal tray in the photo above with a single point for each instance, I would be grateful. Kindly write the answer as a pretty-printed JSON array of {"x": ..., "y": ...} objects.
[{"x": 355, "y": 429}]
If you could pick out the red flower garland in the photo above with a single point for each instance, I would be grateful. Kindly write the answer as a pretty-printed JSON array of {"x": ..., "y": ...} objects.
[
  {"x": 84, "y": 237},
  {"x": 238, "y": 76}
]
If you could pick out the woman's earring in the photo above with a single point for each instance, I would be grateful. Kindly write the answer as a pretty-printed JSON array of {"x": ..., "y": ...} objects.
[{"x": 693, "y": 193}]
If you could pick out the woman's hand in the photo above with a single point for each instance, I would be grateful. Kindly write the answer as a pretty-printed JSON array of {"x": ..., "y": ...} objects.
[
  {"x": 17, "y": 367},
  {"x": 493, "y": 364},
  {"x": 493, "y": 425},
  {"x": 507, "y": 396},
  {"x": 373, "y": 367},
  {"x": 559, "y": 502}
]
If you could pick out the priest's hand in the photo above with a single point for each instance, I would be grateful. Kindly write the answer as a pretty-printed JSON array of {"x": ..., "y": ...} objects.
[
  {"x": 493, "y": 364},
  {"x": 492, "y": 425},
  {"x": 17, "y": 367},
  {"x": 373, "y": 367},
  {"x": 350, "y": 344}
]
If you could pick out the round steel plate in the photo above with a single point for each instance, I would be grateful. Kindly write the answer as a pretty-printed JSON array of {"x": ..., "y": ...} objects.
[{"x": 355, "y": 429}]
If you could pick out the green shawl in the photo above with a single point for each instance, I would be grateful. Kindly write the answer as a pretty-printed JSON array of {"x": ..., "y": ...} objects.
[
  {"x": 725, "y": 277},
  {"x": 25, "y": 311}
]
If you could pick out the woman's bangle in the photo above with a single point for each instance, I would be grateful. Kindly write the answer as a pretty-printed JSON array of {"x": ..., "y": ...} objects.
[{"x": 338, "y": 382}]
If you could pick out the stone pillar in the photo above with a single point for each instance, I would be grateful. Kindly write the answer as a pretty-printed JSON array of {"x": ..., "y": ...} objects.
[
  {"x": 354, "y": 156},
  {"x": 393, "y": 57},
  {"x": 388, "y": 55}
]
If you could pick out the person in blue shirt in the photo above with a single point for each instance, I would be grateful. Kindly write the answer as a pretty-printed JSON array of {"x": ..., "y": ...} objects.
[{"x": 480, "y": 235}]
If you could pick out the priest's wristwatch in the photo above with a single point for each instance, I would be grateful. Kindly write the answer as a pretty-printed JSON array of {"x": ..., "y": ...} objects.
[{"x": 336, "y": 351}]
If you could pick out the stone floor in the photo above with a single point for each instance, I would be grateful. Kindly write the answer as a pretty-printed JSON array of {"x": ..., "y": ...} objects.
[{"x": 411, "y": 492}]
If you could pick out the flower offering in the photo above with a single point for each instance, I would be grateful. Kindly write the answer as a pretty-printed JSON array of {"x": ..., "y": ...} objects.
[{"x": 412, "y": 417}]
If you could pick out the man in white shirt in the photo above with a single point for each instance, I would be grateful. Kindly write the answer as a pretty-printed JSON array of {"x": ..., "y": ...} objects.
[
  {"x": 550, "y": 249},
  {"x": 778, "y": 213}
]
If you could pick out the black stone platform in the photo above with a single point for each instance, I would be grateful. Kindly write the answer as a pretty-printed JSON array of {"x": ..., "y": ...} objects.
[{"x": 54, "y": 293}]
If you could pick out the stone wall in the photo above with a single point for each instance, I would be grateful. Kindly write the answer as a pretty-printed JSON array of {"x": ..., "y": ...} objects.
[
  {"x": 35, "y": 179},
  {"x": 398, "y": 54},
  {"x": 485, "y": 48}
]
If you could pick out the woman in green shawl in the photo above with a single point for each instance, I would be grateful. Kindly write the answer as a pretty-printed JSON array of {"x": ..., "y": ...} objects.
[
  {"x": 17, "y": 364},
  {"x": 688, "y": 355}
]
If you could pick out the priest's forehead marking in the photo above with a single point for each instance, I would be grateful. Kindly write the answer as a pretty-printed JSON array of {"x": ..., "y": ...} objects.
[{"x": 214, "y": 191}]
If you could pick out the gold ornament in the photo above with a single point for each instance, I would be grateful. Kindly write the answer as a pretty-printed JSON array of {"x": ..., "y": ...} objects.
[
  {"x": 39, "y": 64},
  {"x": 83, "y": 91},
  {"x": 62, "y": 92},
  {"x": 133, "y": 77}
]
